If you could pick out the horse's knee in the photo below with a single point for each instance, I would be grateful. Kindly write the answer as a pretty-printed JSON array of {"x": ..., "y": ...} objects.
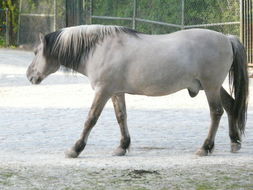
[
  {"x": 91, "y": 121},
  {"x": 217, "y": 112},
  {"x": 121, "y": 116}
]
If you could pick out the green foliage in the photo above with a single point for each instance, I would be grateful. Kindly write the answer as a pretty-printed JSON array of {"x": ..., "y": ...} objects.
[
  {"x": 12, "y": 6},
  {"x": 112, "y": 8},
  {"x": 170, "y": 11},
  {"x": 210, "y": 11},
  {"x": 13, "y": 13},
  {"x": 37, "y": 6},
  {"x": 2, "y": 41},
  {"x": 61, "y": 11}
]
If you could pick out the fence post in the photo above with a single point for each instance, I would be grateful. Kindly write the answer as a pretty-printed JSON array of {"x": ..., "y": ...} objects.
[
  {"x": 19, "y": 15},
  {"x": 91, "y": 6},
  {"x": 74, "y": 12},
  {"x": 182, "y": 14},
  {"x": 84, "y": 10},
  {"x": 251, "y": 30},
  {"x": 55, "y": 14},
  {"x": 7, "y": 28},
  {"x": 241, "y": 20},
  {"x": 134, "y": 14}
]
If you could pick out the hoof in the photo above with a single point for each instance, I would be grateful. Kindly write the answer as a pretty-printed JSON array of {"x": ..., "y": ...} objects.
[
  {"x": 119, "y": 152},
  {"x": 71, "y": 154},
  {"x": 235, "y": 147},
  {"x": 201, "y": 152}
]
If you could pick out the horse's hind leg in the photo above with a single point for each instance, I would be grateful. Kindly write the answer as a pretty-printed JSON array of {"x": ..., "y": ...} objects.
[
  {"x": 121, "y": 115},
  {"x": 216, "y": 111},
  {"x": 228, "y": 103},
  {"x": 98, "y": 104}
]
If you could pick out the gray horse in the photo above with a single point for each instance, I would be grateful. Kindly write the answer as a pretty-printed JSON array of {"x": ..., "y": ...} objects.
[{"x": 118, "y": 60}]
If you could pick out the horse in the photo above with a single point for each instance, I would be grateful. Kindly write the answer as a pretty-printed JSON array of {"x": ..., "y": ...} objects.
[{"x": 118, "y": 60}]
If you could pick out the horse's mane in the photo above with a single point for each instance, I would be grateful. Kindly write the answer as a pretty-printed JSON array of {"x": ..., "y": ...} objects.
[{"x": 69, "y": 45}]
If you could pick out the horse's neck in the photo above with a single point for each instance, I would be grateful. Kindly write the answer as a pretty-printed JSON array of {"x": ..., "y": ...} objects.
[{"x": 82, "y": 67}]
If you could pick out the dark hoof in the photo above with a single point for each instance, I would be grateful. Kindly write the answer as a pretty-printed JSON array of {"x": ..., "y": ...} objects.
[
  {"x": 71, "y": 154},
  {"x": 235, "y": 147},
  {"x": 206, "y": 149},
  {"x": 201, "y": 152},
  {"x": 76, "y": 150},
  {"x": 119, "y": 152}
]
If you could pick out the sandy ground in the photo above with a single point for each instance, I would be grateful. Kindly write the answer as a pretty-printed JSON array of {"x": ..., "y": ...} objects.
[{"x": 38, "y": 123}]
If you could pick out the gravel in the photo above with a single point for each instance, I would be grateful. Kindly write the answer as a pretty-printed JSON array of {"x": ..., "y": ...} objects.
[{"x": 38, "y": 123}]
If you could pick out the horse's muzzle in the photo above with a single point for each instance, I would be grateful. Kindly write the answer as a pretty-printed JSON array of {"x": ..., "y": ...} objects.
[
  {"x": 33, "y": 77},
  {"x": 35, "y": 80}
]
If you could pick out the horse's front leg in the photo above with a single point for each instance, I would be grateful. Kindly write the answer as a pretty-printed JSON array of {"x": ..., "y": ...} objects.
[
  {"x": 121, "y": 115},
  {"x": 98, "y": 104}
]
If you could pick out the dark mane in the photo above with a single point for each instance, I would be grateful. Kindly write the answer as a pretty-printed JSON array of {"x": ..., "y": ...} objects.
[{"x": 69, "y": 45}]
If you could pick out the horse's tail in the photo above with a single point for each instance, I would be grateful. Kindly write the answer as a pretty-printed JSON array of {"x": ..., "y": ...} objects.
[{"x": 239, "y": 82}]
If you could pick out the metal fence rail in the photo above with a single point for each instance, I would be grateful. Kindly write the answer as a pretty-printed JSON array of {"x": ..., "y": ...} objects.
[{"x": 164, "y": 23}]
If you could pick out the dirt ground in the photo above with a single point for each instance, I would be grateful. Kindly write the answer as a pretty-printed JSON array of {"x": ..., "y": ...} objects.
[{"x": 38, "y": 123}]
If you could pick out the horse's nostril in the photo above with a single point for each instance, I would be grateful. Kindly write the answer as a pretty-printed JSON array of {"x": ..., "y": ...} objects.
[
  {"x": 30, "y": 79},
  {"x": 38, "y": 80},
  {"x": 35, "y": 79}
]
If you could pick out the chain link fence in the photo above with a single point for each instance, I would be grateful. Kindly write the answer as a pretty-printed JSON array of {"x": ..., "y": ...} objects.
[
  {"x": 165, "y": 16},
  {"x": 4, "y": 36},
  {"x": 247, "y": 28},
  {"x": 39, "y": 16},
  {"x": 148, "y": 16}
]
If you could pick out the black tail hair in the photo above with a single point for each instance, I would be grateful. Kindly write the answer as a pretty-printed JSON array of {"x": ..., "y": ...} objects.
[{"x": 239, "y": 83}]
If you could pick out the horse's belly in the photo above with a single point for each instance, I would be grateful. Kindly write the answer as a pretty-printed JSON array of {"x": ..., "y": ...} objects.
[
  {"x": 159, "y": 79},
  {"x": 159, "y": 88},
  {"x": 154, "y": 91}
]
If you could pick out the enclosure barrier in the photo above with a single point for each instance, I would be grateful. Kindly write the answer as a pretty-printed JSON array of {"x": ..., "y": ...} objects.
[
  {"x": 247, "y": 28},
  {"x": 35, "y": 17},
  {"x": 134, "y": 18},
  {"x": 4, "y": 28}
]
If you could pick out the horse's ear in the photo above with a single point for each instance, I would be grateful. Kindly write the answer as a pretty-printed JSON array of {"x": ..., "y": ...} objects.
[{"x": 41, "y": 36}]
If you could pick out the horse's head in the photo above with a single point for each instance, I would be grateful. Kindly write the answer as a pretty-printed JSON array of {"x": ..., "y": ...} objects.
[{"x": 41, "y": 66}]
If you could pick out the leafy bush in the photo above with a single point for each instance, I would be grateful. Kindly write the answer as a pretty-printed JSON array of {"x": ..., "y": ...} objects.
[{"x": 12, "y": 6}]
